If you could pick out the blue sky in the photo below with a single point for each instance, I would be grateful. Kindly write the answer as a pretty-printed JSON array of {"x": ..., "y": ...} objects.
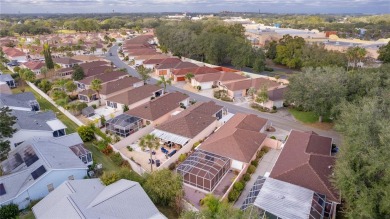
[{"x": 128, "y": 6}]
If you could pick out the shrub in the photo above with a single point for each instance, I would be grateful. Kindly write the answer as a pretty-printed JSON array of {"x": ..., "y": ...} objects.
[
  {"x": 73, "y": 97},
  {"x": 246, "y": 177},
  {"x": 239, "y": 186},
  {"x": 260, "y": 154},
  {"x": 274, "y": 107},
  {"x": 255, "y": 163},
  {"x": 251, "y": 169},
  {"x": 117, "y": 138},
  {"x": 182, "y": 157},
  {"x": 217, "y": 94},
  {"x": 233, "y": 195},
  {"x": 93, "y": 106},
  {"x": 15, "y": 76},
  {"x": 273, "y": 137},
  {"x": 117, "y": 159},
  {"x": 125, "y": 108},
  {"x": 9, "y": 211},
  {"x": 101, "y": 145},
  {"x": 268, "y": 69},
  {"x": 214, "y": 86},
  {"x": 265, "y": 149},
  {"x": 109, "y": 177},
  {"x": 129, "y": 148},
  {"x": 196, "y": 144},
  {"x": 86, "y": 133},
  {"x": 172, "y": 166},
  {"x": 199, "y": 88},
  {"x": 107, "y": 150}
]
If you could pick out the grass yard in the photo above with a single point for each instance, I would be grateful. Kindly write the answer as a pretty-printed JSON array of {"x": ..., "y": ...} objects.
[
  {"x": 99, "y": 157},
  {"x": 66, "y": 31},
  {"x": 305, "y": 117},
  {"x": 27, "y": 215},
  {"x": 46, "y": 105},
  {"x": 5, "y": 70}
]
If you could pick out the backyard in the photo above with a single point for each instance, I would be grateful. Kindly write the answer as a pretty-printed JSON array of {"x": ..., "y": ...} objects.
[{"x": 46, "y": 105}]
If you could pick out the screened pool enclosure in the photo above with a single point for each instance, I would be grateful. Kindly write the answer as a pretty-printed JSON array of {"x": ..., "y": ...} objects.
[
  {"x": 124, "y": 125},
  {"x": 203, "y": 169}
]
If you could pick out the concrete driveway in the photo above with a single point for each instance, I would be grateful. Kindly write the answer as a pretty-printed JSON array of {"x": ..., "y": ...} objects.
[{"x": 276, "y": 119}]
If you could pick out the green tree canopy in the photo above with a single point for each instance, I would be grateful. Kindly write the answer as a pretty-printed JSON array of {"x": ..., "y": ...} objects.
[
  {"x": 150, "y": 142},
  {"x": 6, "y": 131},
  {"x": 78, "y": 73},
  {"x": 384, "y": 53},
  {"x": 47, "y": 54}
]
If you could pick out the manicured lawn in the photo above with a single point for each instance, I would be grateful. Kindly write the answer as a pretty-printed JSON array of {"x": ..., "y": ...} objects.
[
  {"x": 5, "y": 70},
  {"x": 66, "y": 31},
  {"x": 307, "y": 117},
  {"x": 99, "y": 157},
  {"x": 29, "y": 215},
  {"x": 46, "y": 105}
]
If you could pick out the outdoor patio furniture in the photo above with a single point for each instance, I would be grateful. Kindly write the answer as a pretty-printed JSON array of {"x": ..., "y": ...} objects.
[
  {"x": 151, "y": 161},
  {"x": 153, "y": 153},
  {"x": 172, "y": 153},
  {"x": 165, "y": 151},
  {"x": 158, "y": 163}
]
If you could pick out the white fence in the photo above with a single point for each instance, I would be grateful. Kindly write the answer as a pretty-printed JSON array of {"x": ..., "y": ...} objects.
[
  {"x": 60, "y": 108},
  {"x": 133, "y": 137}
]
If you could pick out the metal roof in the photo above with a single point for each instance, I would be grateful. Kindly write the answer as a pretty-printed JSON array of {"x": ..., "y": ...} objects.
[
  {"x": 166, "y": 136},
  {"x": 91, "y": 199},
  {"x": 285, "y": 200}
]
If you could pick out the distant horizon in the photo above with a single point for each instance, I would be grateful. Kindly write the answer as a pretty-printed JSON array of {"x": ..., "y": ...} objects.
[{"x": 14, "y": 7}]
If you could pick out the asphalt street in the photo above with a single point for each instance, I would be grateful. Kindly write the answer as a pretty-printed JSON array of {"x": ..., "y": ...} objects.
[{"x": 275, "y": 119}]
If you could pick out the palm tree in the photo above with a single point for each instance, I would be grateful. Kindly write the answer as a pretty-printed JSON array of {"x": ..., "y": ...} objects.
[
  {"x": 96, "y": 85},
  {"x": 189, "y": 76},
  {"x": 151, "y": 142},
  {"x": 163, "y": 81},
  {"x": 361, "y": 53},
  {"x": 26, "y": 75},
  {"x": 104, "y": 50},
  {"x": 144, "y": 73},
  {"x": 92, "y": 49}
]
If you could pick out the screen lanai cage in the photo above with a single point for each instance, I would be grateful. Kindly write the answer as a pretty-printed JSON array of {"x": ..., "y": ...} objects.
[
  {"x": 124, "y": 125},
  {"x": 203, "y": 169}
]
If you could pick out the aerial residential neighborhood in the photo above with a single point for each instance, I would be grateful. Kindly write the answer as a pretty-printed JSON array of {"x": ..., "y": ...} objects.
[{"x": 218, "y": 114}]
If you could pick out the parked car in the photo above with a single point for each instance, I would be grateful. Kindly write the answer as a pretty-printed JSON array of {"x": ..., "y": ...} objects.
[{"x": 13, "y": 63}]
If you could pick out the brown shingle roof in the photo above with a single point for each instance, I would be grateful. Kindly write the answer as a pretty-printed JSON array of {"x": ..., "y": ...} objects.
[
  {"x": 191, "y": 121},
  {"x": 178, "y": 65},
  {"x": 219, "y": 76},
  {"x": 34, "y": 65},
  {"x": 93, "y": 64},
  {"x": 195, "y": 70},
  {"x": 256, "y": 83},
  {"x": 135, "y": 95},
  {"x": 306, "y": 161},
  {"x": 238, "y": 139},
  {"x": 117, "y": 85},
  {"x": 172, "y": 60},
  {"x": 66, "y": 60},
  {"x": 105, "y": 77},
  {"x": 96, "y": 70},
  {"x": 158, "y": 107},
  {"x": 277, "y": 93}
]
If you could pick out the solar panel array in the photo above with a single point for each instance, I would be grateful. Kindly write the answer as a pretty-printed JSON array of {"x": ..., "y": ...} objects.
[{"x": 38, "y": 172}]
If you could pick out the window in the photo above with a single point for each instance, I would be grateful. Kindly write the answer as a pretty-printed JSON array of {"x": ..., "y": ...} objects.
[
  {"x": 59, "y": 133},
  {"x": 17, "y": 144},
  {"x": 50, "y": 187},
  {"x": 71, "y": 177},
  {"x": 2, "y": 189},
  {"x": 112, "y": 104}
]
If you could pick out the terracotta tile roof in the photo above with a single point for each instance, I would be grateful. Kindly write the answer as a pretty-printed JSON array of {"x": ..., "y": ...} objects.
[
  {"x": 135, "y": 95},
  {"x": 94, "y": 64},
  {"x": 256, "y": 83},
  {"x": 87, "y": 58},
  {"x": 139, "y": 39},
  {"x": 34, "y": 65},
  {"x": 96, "y": 70},
  {"x": 12, "y": 52},
  {"x": 146, "y": 51},
  {"x": 191, "y": 121},
  {"x": 178, "y": 65},
  {"x": 118, "y": 85},
  {"x": 152, "y": 56},
  {"x": 105, "y": 77},
  {"x": 172, "y": 60},
  {"x": 219, "y": 76},
  {"x": 306, "y": 161},
  {"x": 158, "y": 107},
  {"x": 66, "y": 61},
  {"x": 238, "y": 139},
  {"x": 195, "y": 71}
]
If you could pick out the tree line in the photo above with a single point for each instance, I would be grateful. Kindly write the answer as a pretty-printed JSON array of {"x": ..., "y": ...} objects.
[
  {"x": 359, "y": 103},
  {"x": 210, "y": 41}
]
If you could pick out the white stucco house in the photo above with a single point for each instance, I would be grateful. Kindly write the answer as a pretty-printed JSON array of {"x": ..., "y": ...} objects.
[{"x": 37, "y": 167}]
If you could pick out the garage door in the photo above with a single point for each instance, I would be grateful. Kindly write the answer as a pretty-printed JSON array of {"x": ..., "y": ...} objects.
[
  {"x": 238, "y": 165},
  {"x": 237, "y": 93},
  {"x": 163, "y": 72},
  {"x": 180, "y": 79}
]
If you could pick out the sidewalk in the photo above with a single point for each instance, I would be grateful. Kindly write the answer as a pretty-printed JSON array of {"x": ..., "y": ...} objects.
[{"x": 265, "y": 165}]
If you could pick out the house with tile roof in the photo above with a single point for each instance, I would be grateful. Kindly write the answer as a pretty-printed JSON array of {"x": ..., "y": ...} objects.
[
  {"x": 14, "y": 54},
  {"x": 160, "y": 109},
  {"x": 179, "y": 74},
  {"x": 166, "y": 68},
  {"x": 34, "y": 66},
  {"x": 66, "y": 62},
  {"x": 208, "y": 81},
  {"x": 134, "y": 97},
  {"x": 89, "y": 198},
  {"x": 85, "y": 83},
  {"x": 152, "y": 63},
  {"x": 111, "y": 88},
  {"x": 38, "y": 166},
  {"x": 306, "y": 161}
]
